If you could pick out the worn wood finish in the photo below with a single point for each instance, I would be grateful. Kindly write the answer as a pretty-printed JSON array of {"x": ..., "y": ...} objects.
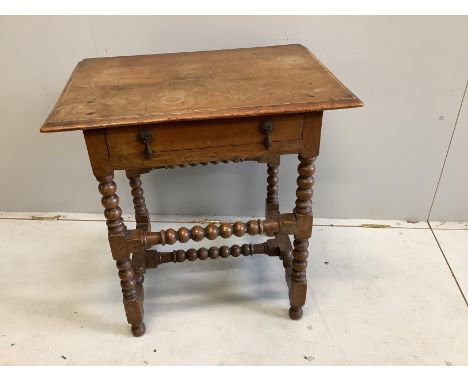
[
  {"x": 134, "y": 90},
  {"x": 156, "y": 112},
  {"x": 139, "y": 265}
]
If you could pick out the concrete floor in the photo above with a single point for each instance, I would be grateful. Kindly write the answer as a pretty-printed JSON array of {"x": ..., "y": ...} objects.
[{"x": 377, "y": 296}]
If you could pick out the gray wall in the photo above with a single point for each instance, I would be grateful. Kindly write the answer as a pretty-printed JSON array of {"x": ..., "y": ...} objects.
[{"x": 381, "y": 161}]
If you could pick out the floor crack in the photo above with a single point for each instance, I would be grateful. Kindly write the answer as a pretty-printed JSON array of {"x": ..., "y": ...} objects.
[{"x": 448, "y": 264}]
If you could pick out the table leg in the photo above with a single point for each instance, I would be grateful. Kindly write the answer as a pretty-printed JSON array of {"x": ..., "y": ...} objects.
[
  {"x": 298, "y": 288},
  {"x": 271, "y": 202},
  {"x": 139, "y": 204},
  {"x": 132, "y": 299},
  {"x": 142, "y": 221},
  {"x": 272, "y": 180}
]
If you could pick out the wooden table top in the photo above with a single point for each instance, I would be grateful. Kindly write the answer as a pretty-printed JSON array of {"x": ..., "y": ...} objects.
[{"x": 132, "y": 90}]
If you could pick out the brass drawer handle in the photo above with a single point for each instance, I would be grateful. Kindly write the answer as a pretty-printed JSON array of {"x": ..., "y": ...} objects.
[
  {"x": 145, "y": 137},
  {"x": 267, "y": 128}
]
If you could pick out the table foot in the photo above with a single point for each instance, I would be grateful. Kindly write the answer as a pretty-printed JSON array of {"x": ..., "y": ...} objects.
[
  {"x": 138, "y": 330},
  {"x": 295, "y": 313}
]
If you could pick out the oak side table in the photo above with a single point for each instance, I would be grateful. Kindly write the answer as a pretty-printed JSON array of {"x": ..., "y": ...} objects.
[{"x": 140, "y": 113}]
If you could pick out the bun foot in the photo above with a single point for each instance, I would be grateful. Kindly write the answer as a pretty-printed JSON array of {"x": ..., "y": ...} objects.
[
  {"x": 295, "y": 313},
  {"x": 138, "y": 330}
]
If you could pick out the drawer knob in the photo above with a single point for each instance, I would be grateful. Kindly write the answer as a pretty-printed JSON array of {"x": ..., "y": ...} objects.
[
  {"x": 267, "y": 128},
  {"x": 145, "y": 137}
]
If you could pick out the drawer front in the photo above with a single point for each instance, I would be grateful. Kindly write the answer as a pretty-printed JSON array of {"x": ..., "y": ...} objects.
[{"x": 213, "y": 136}]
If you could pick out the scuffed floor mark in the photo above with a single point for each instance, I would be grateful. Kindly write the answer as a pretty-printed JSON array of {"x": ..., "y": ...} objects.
[
  {"x": 46, "y": 218},
  {"x": 375, "y": 225},
  {"x": 206, "y": 221}
]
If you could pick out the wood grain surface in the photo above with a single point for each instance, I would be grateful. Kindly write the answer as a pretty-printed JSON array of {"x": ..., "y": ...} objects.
[{"x": 135, "y": 90}]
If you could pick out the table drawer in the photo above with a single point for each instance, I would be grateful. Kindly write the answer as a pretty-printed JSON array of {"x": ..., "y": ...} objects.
[{"x": 176, "y": 138}]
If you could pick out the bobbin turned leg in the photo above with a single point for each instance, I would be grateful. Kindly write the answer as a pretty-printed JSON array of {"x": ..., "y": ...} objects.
[
  {"x": 142, "y": 222},
  {"x": 281, "y": 241},
  {"x": 298, "y": 282},
  {"x": 141, "y": 213},
  {"x": 133, "y": 301},
  {"x": 271, "y": 202}
]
